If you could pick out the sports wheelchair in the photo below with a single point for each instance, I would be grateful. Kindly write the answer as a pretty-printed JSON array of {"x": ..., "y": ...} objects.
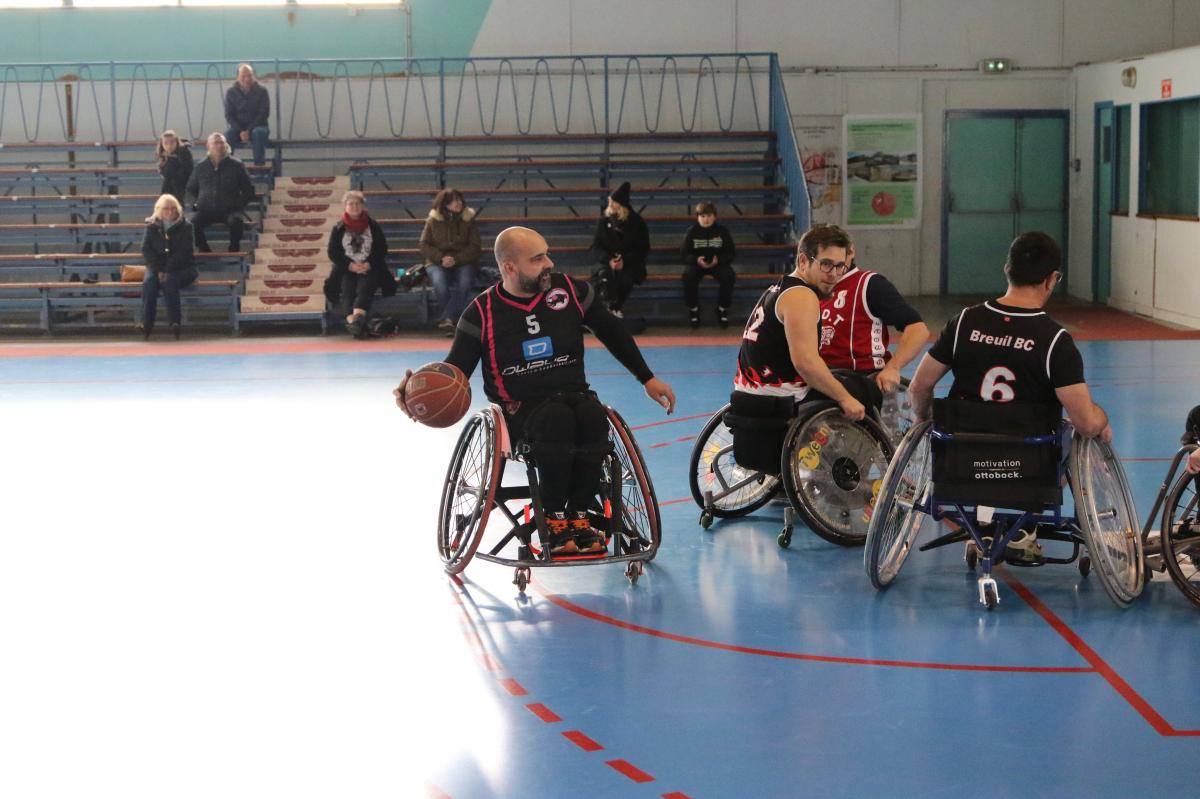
[
  {"x": 829, "y": 467},
  {"x": 956, "y": 469},
  {"x": 625, "y": 509},
  {"x": 1176, "y": 548}
]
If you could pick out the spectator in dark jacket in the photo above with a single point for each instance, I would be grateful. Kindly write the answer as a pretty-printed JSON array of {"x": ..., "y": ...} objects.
[
  {"x": 170, "y": 262},
  {"x": 174, "y": 163},
  {"x": 219, "y": 189},
  {"x": 708, "y": 250},
  {"x": 358, "y": 251},
  {"x": 247, "y": 111},
  {"x": 622, "y": 243},
  {"x": 450, "y": 246}
]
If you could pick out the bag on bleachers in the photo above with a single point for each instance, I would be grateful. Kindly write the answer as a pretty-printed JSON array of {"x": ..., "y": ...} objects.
[{"x": 133, "y": 273}]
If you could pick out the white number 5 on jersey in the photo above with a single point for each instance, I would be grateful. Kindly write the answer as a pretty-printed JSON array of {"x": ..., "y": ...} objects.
[{"x": 532, "y": 325}]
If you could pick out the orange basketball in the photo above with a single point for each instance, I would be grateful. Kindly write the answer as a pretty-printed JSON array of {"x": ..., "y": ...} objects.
[{"x": 437, "y": 394}]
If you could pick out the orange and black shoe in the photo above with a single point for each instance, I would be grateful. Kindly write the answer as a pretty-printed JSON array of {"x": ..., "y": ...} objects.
[
  {"x": 588, "y": 540},
  {"x": 562, "y": 537}
]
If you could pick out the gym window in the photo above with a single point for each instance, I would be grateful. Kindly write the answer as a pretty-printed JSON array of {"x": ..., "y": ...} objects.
[{"x": 1170, "y": 159}]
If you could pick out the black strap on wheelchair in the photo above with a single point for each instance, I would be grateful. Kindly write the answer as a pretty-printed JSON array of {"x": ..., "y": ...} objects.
[{"x": 759, "y": 424}]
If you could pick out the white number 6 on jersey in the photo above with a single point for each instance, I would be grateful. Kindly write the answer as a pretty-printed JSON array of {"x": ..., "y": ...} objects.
[
  {"x": 532, "y": 325},
  {"x": 996, "y": 386}
]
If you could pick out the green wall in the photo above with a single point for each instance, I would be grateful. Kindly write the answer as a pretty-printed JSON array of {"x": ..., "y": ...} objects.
[{"x": 440, "y": 28}]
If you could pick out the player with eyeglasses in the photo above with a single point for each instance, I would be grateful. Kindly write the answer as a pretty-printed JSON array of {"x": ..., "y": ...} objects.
[{"x": 780, "y": 353}]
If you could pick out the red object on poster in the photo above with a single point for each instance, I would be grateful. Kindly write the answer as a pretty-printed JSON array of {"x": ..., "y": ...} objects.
[{"x": 1166, "y": 88}]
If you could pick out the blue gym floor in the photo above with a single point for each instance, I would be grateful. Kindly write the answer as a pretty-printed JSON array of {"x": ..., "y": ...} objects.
[{"x": 218, "y": 577}]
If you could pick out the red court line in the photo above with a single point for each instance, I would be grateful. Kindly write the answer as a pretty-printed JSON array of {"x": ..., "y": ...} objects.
[
  {"x": 513, "y": 687},
  {"x": 582, "y": 741},
  {"x": 1099, "y": 665},
  {"x": 629, "y": 770},
  {"x": 568, "y": 605},
  {"x": 674, "y": 502},
  {"x": 674, "y": 420},
  {"x": 544, "y": 713}
]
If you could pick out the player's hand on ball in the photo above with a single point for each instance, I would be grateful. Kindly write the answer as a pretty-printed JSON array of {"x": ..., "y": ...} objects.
[
  {"x": 398, "y": 393},
  {"x": 661, "y": 393}
]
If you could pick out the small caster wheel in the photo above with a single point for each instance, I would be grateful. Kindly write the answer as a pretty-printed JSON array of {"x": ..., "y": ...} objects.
[
  {"x": 989, "y": 598},
  {"x": 633, "y": 571},
  {"x": 521, "y": 578},
  {"x": 785, "y": 538},
  {"x": 1085, "y": 566},
  {"x": 706, "y": 520},
  {"x": 972, "y": 556}
]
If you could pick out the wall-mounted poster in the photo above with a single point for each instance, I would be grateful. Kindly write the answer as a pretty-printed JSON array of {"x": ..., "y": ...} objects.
[
  {"x": 882, "y": 170},
  {"x": 820, "y": 142}
]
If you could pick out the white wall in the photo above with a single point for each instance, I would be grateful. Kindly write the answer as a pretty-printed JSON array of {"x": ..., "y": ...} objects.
[
  {"x": 881, "y": 56},
  {"x": 950, "y": 34},
  {"x": 1154, "y": 262}
]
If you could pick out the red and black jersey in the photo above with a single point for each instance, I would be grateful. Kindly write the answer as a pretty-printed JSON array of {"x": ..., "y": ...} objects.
[
  {"x": 764, "y": 360},
  {"x": 855, "y": 321},
  {"x": 1000, "y": 353},
  {"x": 532, "y": 347}
]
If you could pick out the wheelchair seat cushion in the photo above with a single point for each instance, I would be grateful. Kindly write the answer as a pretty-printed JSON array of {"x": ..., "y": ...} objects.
[
  {"x": 759, "y": 424},
  {"x": 990, "y": 463}
]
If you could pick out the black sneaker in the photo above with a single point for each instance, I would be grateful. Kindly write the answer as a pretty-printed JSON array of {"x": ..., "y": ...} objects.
[
  {"x": 723, "y": 317},
  {"x": 694, "y": 317},
  {"x": 357, "y": 327}
]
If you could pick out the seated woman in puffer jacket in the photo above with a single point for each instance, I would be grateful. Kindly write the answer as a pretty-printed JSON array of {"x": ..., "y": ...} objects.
[
  {"x": 450, "y": 246},
  {"x": 169, "y": 249}
]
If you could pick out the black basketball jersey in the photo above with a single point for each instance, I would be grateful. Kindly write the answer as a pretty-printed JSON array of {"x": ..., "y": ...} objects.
[
  {"x": 764, "y": 360},
  {"x": 532, "y": 347},
  {"x": 1000, "y": 353}
]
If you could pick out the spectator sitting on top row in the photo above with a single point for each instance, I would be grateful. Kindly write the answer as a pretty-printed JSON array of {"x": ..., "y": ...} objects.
[{"x": 247, "y": 111}]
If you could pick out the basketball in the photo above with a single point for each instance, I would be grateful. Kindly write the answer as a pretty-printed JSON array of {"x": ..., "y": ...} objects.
[{"x": 437, "y": 394}]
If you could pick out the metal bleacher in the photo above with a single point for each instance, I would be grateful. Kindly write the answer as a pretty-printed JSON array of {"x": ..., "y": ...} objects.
[{"x": 71, "y": 211}]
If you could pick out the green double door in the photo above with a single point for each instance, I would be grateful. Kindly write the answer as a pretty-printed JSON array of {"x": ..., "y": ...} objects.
[{"x": 1006, "y": 173}]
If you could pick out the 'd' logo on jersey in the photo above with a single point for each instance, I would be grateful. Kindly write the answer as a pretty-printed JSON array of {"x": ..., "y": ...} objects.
[
  {"x": 556, "y": 300},
  {"x": 535, "y": 349}
]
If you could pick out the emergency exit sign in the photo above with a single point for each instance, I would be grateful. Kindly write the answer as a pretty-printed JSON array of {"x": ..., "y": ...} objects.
[{"x": 1166, "y": 88}]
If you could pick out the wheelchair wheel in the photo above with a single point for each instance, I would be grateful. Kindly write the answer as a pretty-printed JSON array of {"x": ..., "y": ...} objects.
[
  {"x": 639, "y": 521},
  {"x": 896, "y": 521},
  {"x": 735, "y": 491},
  {"x": 1181, "y": 536},
  {"x": 832, "y": 469},
  {"x": 1107, "y": 518},
  {"x": 896, "y": 415},
  {"x": 470, "y": 491}
]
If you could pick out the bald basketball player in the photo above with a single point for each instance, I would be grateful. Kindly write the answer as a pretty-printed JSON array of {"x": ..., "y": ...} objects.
[{"x": 528, "y": 332}]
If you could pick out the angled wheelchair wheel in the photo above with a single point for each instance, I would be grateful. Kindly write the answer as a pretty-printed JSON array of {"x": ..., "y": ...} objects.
[
  {"x": 638, "y": 521},
  {"x": 832, "y": 471},
  {"x": 470, "y": 490},
  {"x": 1181, "y": 536},
  {"x": 735, "y": 491},
  {"x": 896, "y": 415},
  {"x": 897, "y": 519},
  {"x": 1107, "y": 518}
]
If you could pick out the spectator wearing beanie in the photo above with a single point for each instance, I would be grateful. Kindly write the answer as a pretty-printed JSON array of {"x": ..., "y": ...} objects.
[
  {"x": 358, "y": 251},
  {"x": 621, "y": 244},
  {"x": 708, "y": 250}
]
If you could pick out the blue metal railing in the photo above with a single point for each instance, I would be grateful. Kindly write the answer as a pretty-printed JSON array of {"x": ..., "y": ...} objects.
[
  {"x": 791, "y": 166},
  {"x": 419, "y": 97}
]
